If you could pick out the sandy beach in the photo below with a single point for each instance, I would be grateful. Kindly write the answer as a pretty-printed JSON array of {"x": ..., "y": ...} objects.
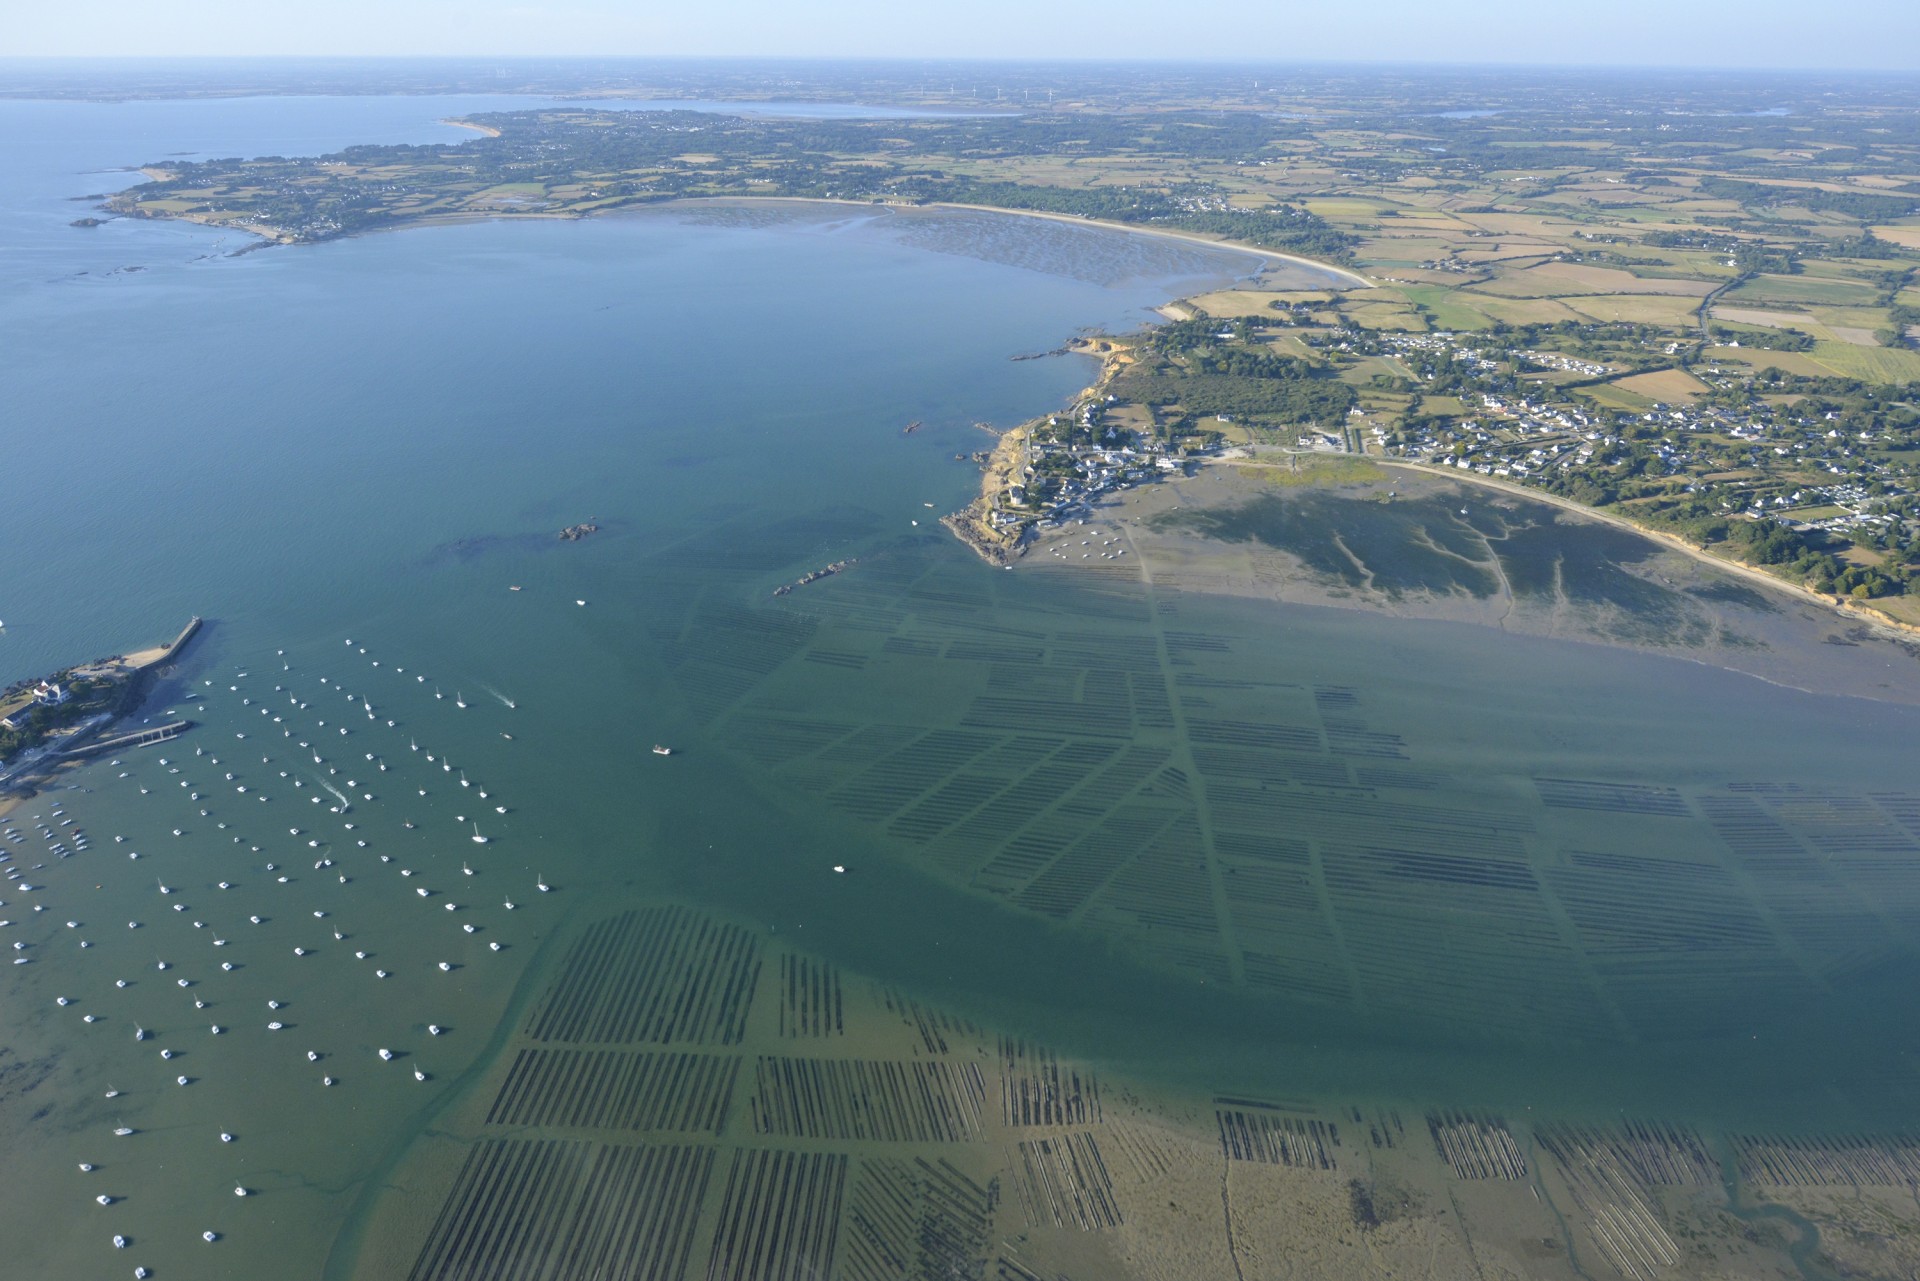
[{"x": 1353, "y": 279}]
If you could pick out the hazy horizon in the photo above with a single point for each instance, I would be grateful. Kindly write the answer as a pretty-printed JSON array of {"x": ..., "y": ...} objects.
[{"x": 1767, "y": 35}]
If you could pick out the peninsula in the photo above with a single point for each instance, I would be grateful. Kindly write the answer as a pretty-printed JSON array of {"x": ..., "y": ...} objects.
[{"x": 50, "y": 720}]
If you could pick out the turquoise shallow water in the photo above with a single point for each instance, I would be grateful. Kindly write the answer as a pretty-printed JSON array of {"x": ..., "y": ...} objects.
[{"x": 1275, "y": 850}]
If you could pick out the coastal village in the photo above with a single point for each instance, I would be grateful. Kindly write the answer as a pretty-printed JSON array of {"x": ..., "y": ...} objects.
[
  {"x": 1845, "y": 481},
  {"x": 1809, "y": 478},
  {"x": 1052, "y": 470}
]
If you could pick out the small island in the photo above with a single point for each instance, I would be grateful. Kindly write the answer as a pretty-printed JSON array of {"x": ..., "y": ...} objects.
[{"x": 574, "y": 533}]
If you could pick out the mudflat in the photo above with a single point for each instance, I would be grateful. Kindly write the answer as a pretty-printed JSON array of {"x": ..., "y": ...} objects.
[{"x": 1347, "y": 533}]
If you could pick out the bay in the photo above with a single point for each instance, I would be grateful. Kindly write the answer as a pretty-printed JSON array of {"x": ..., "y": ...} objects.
[{"x": 1212, "y": 845}]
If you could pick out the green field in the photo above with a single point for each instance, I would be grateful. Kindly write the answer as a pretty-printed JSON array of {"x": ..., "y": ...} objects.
[
  {"x": 1801, "y": 289},
  {"x": 1446, "y": 307},
  {"x": 1615, "y": 397},
  {"x": 1874, "y": 364}
]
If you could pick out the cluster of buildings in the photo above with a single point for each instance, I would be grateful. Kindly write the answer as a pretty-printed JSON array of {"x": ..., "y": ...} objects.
[
  {"x": 43, "y": 694},
  {"x": 1761, "y": 460},
  {"x": 1788, "y": 460},
  {"x": 1071, "y": 461}
]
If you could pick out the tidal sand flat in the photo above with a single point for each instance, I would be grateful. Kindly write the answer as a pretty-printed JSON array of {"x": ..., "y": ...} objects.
[{"x": 1350, "y": 533}]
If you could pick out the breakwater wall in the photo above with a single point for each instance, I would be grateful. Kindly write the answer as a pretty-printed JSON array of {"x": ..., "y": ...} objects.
[{"x": 187, "y": 633}]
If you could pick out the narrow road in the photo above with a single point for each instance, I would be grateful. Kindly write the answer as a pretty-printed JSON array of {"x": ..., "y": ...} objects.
[{"x": 1703, "y": 313}]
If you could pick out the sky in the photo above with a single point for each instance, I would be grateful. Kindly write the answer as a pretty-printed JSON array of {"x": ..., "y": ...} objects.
[{"x": 1880, "y": 34}]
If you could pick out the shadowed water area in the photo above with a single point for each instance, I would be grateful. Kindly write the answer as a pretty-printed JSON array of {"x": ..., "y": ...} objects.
[{"x": 1210, "y": 844}]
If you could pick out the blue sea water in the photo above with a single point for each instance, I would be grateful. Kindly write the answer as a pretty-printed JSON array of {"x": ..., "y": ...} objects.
[{"x": 1226, "y": 844}]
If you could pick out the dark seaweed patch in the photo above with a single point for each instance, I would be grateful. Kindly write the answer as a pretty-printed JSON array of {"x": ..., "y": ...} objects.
[
  {"x": 1583, "y": 563},
  {"x": 1726, "y": 591},
  {"x": 1436, "y": 545},
  {"x": 1418, "y": 545}
]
